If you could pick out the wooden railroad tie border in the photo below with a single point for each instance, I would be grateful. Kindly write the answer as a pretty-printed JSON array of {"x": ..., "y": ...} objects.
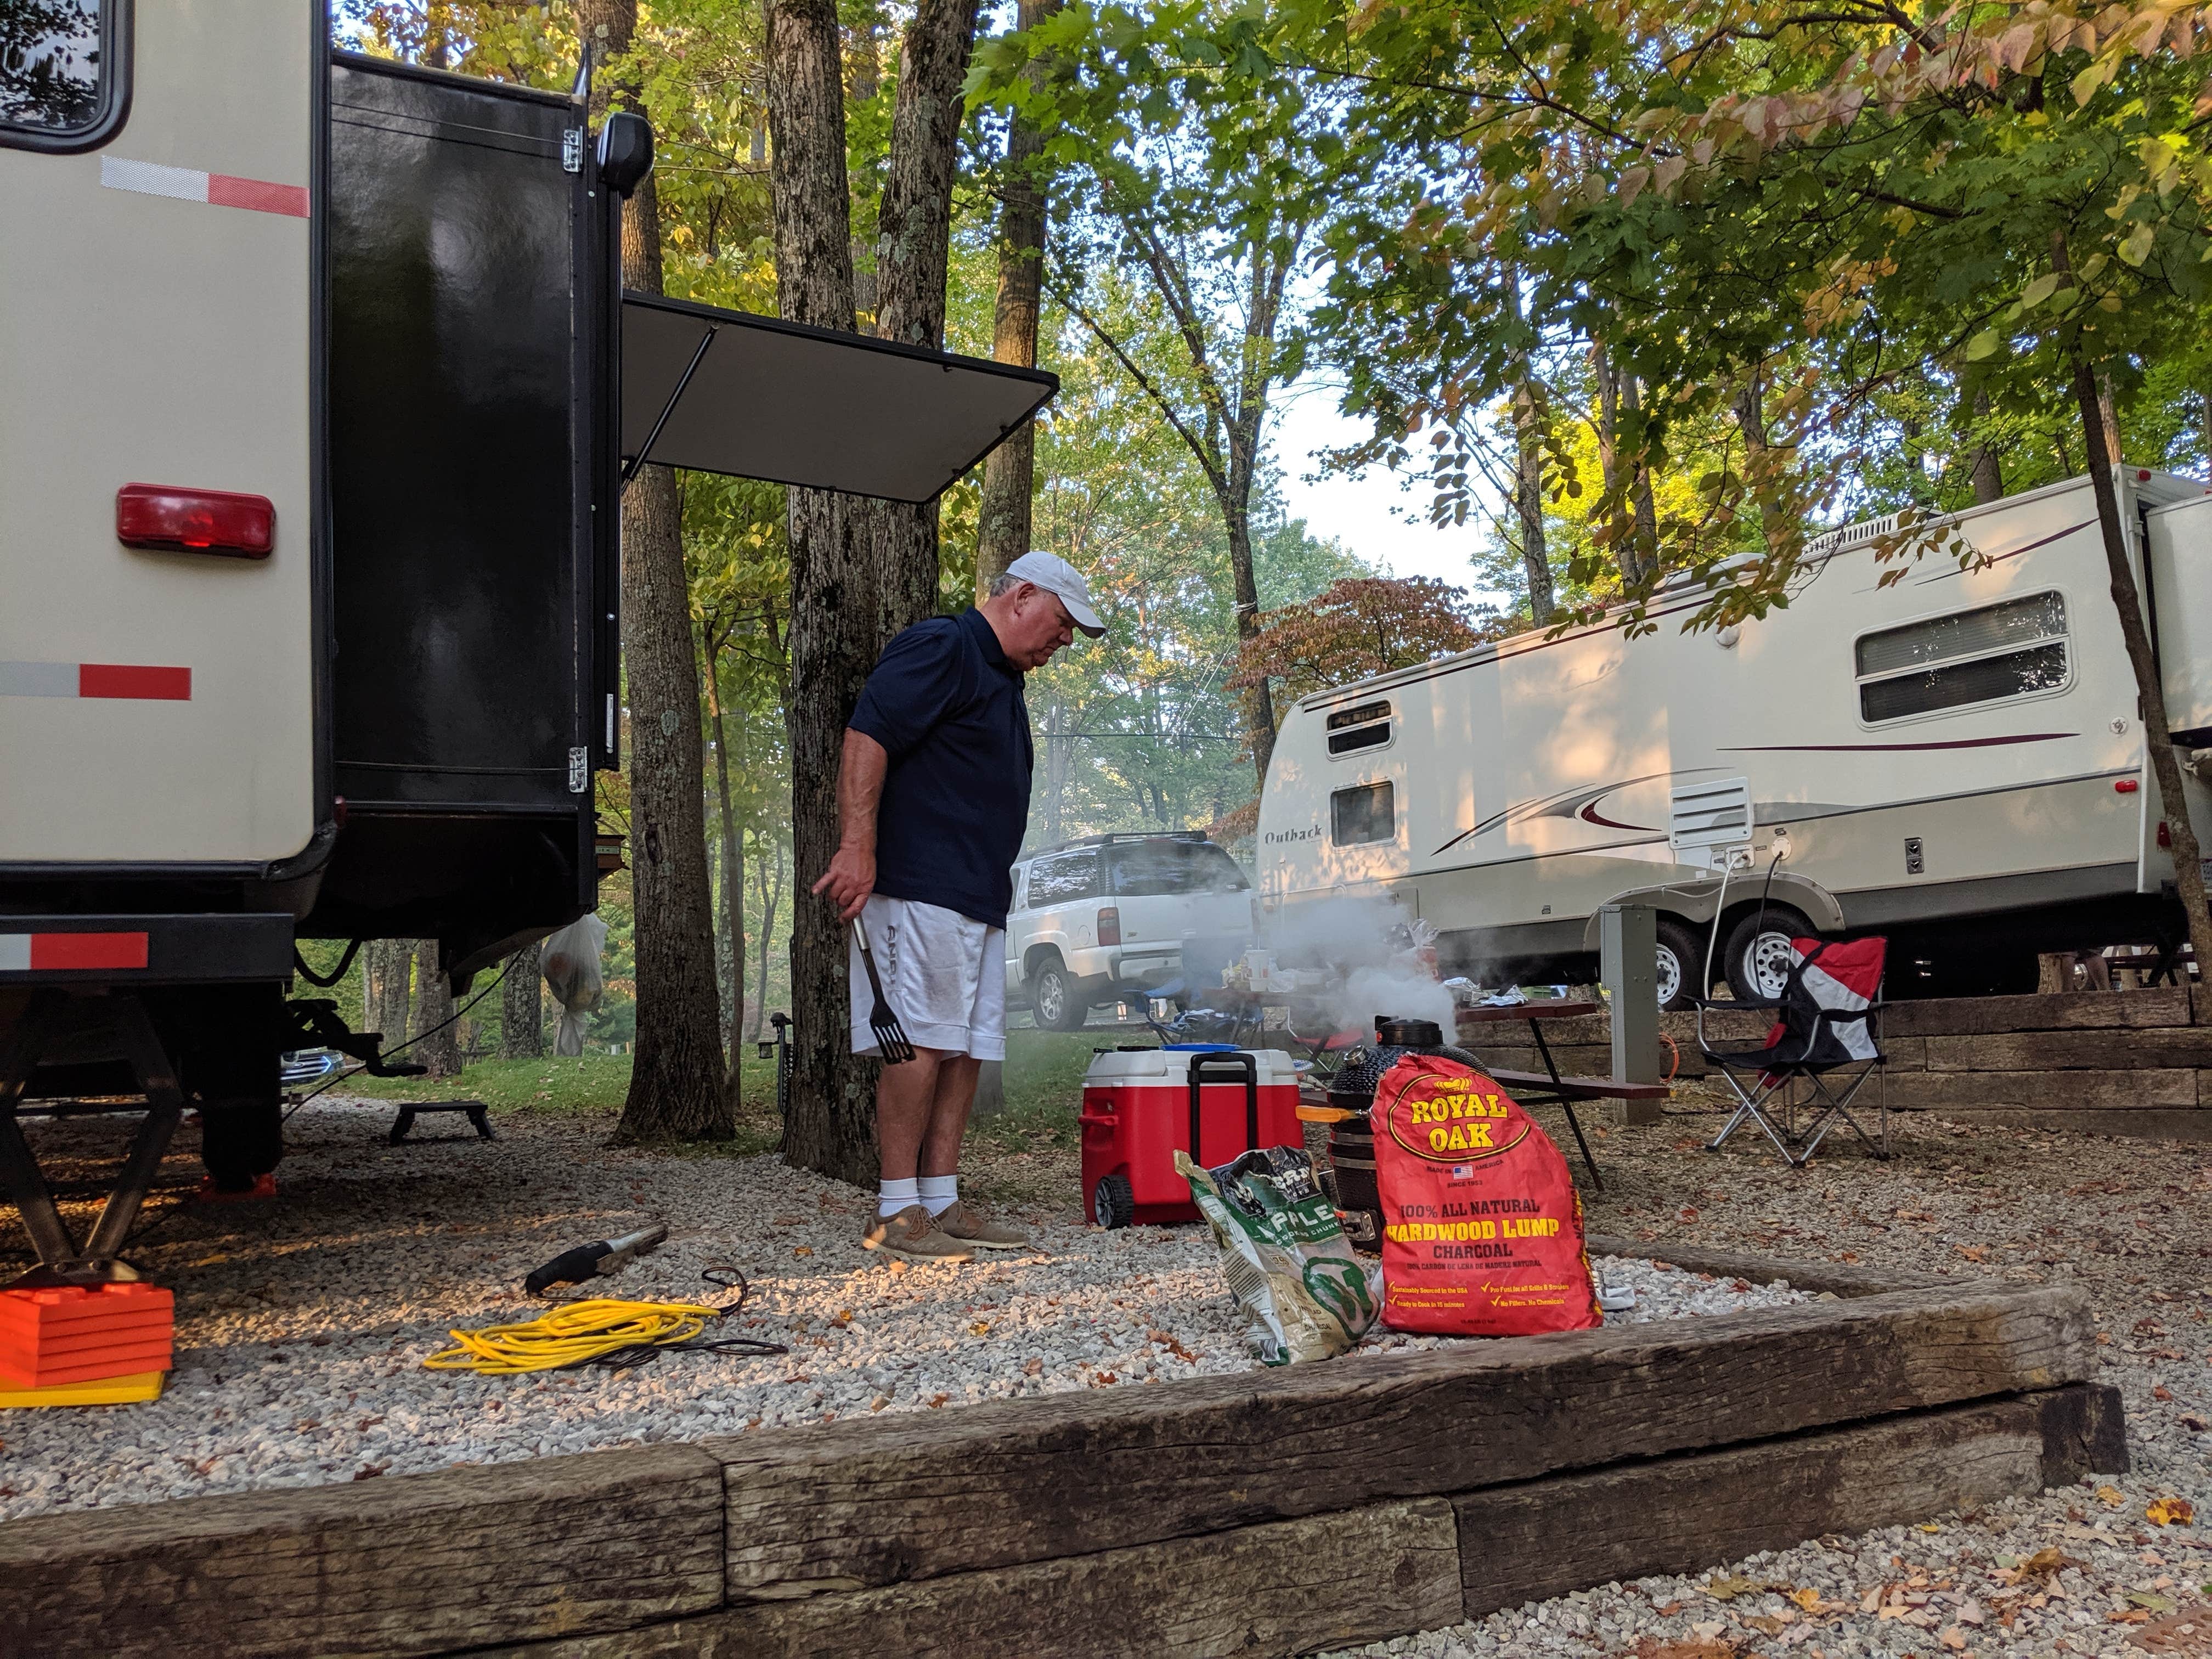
[{"x": 1284, "y": 1505}]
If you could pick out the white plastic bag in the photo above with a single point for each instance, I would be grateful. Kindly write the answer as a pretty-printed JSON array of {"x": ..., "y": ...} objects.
[{"x": 570, "y": 959}]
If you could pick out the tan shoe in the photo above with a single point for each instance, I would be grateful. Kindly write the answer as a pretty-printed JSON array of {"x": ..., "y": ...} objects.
[
  {"x": 958, "y": 1221},
  {"x": 913, "y": 1237}
]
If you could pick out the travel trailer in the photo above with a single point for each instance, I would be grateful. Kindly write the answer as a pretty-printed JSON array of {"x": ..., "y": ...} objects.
[
  {"x": 322, "y": 392},
  {"x": 1955, "y": 761}
]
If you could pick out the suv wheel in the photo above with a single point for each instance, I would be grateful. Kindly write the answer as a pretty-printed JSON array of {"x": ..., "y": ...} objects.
[{"x": 1055, "y": 999}]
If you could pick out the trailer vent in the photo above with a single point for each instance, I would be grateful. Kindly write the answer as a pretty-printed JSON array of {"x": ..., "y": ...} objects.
[
  {"x": 1708, "y": 819},
  {"x": 1366, "y": 725}
]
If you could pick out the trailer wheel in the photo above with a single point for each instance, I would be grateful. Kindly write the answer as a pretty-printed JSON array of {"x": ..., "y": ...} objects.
[
  {"x": 1681, "y": 964},
  {"x": 1113, "y": 1201},
  {"x": 1758, "y": 956},
  {"x": 1054, "y": 1001},
  {"x": 240, "y": 1140}
]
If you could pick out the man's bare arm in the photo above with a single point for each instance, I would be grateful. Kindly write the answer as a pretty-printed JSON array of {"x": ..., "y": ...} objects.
[{"x": 852, "y": 873}]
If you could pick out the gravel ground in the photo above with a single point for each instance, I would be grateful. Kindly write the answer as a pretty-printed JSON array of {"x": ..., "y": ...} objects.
[
  {"x": 302, "y": 1323},
  {"x": 304, "y": 1320},
  {"x": 2087, "y": 1569}
]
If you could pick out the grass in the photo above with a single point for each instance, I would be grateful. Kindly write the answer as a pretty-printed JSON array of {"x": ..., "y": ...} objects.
[{"x": 1025, "y": 1154}]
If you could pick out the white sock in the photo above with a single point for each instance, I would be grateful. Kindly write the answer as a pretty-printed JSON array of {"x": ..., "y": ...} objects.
[
  {"x": 939, "y": 1193},
  {"x": 892, "y": 1196}
]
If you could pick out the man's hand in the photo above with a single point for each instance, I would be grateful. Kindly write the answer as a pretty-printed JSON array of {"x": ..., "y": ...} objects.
[
  {"x": 850, "y": 879},
  {"x": 852, "y": 873}
]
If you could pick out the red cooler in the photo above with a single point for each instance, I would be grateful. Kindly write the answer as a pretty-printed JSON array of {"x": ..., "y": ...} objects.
[{"x": 1142, "y": 1106}]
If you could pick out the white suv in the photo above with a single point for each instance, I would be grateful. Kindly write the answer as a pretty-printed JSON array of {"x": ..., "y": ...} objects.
[{"x": 1107, "y": 915}]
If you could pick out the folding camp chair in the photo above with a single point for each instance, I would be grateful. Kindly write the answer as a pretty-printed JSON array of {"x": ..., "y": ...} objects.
[{"x": 1826, "y": 1035}]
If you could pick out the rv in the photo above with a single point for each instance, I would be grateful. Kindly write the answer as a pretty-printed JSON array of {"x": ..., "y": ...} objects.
[
  {"x": 1955, "y": 761},
  {"x": 322, "y": 393}
]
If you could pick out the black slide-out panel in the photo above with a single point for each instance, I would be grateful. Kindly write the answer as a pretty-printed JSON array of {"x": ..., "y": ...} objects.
[{"x": 455, "y": 478}]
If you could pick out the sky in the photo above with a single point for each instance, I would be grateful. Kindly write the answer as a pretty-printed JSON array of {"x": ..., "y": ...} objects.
[{"x": 1367, "y": 513}]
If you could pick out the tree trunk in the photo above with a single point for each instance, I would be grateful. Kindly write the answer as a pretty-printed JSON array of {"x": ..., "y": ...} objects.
[
  {"x": 2150, "y": 691},
  {"x": 733, "y": 877},
  {"x": 385, "y": 996},
  {"x": 1529, "y": 476},
  {"x": 676, "y": 1090},
  {"x": 830, "y": 1127},
  {"x": 1647, "y": 513},
  {"x": 1259, "y": 702},
  {"x": 1608, "y": 457},
  {"x": 436, "y": 1044},
  {"x": 522, "y": 1007},
  {"x": 913, "y": 246},
  {"x": 1009, "y": 473},
  {"x": 1988, "y": 471}
]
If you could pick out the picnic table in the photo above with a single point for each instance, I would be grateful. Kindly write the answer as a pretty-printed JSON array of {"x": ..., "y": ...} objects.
[{"x": 1547, "y": 1087}]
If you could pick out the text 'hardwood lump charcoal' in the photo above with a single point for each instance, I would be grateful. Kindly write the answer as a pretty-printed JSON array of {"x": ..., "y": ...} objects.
[
  {"x": 1303, "y": 1293},
  {"x": 1482, "y": 1227}
]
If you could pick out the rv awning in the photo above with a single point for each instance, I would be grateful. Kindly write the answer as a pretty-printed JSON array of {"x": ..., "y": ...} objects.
[{"x": 796, "y": 405}]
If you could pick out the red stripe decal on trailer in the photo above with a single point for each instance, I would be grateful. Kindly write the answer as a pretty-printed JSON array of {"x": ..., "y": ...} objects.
[
  {"x": 257, "y": 195},
  {"x": 113, "y": 679},
  {"x": 51, "y": 951}
]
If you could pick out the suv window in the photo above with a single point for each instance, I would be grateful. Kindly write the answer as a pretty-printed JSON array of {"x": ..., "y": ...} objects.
[
  {"x": 1984, "y": 655},
  {"x": 62, "y": 72},
  {"x": 1147, "y": 869},
  {"x": 1063, "y": 879}
]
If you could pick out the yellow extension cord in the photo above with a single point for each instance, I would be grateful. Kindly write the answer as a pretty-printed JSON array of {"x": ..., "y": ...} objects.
[{"x": 574, "y": 1333}]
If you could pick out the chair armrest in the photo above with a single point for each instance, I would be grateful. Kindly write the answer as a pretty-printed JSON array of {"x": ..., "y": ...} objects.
[{"x": 1743, "y": 1002}]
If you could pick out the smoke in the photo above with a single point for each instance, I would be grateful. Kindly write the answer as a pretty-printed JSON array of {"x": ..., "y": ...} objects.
[
  {"x": 1362, "y": 943},
  {"x": 1405, "y": 993}
]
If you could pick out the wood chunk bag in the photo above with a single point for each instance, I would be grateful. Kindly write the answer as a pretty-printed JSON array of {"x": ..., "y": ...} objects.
[{"x": 1482, "y": 1227}]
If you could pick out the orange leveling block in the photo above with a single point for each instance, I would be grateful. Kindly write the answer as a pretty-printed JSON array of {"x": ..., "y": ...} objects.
[{"x": 72, "y": 1340}]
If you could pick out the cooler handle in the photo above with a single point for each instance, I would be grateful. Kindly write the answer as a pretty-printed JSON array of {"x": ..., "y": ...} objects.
[{"x": 1237, "y": 1066}]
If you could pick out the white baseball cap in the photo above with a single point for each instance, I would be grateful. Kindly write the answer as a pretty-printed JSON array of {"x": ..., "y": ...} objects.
[{"x": 1064, "y": 582}]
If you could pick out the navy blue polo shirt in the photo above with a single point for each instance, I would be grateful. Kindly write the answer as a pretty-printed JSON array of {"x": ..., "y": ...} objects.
[{"x": 947, "y": 708}]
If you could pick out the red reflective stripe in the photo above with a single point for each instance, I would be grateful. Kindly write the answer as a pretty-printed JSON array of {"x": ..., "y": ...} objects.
[
  {"x": 258, "y": 194},
  {"x": 111, "y": 679},
  {"x": 53, "y": 950}
]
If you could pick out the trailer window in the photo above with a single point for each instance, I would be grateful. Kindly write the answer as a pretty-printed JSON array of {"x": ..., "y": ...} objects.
[
  {"x": 2012, "y": 649},
  {"x": 1368, "y": 812},
  {"x": 62, "y": 72},
  {"x": 1353, "y": 730}
]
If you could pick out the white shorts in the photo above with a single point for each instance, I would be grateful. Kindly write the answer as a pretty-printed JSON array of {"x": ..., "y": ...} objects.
[{"x": 943, "y": 975}]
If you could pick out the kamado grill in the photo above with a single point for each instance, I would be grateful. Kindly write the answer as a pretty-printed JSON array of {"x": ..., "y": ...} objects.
[{"x": 1351, "y": 1137}]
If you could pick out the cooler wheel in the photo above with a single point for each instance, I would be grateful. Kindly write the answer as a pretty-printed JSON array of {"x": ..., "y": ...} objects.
[{"x": 1113, "y": 1203}]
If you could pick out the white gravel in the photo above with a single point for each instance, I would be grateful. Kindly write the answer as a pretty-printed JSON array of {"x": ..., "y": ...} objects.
[{"x": 302, "y": 1323}]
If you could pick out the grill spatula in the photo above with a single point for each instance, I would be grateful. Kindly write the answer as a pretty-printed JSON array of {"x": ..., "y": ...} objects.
[{"x": 890, "y": 1036}]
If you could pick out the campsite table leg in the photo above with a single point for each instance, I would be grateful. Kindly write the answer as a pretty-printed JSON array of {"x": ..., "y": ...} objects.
[{"x": 1551, "y": 1065}]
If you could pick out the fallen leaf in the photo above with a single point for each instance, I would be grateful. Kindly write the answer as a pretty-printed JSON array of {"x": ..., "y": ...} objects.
[
  {"x": 802, "y": 1249},
  {"x": 980, "y": 1328},
  {"x": 2110, "y": 1497},
  {"x": 2147, "y": 1599},
  {"x": 1954, "y": 1638},
  {"x": 1970, "y": 1613},
  {"x": 1707, "y": 1629},
  {"x": 2161, "y": 1393},
  {"x": 2193, "y": 1423},
  {"x": 1973, "y": 1253},
  {"x": 1928, "y": 1525},
  {"x": 1652, "y": 1648},
  {"x": 1729, "y": 1588},
  {"x": 2171, "y": 1512},
  {"x": 1687, "y": 1212},
  {"x": 1033, "y": 1367},
  {"x": 1765, "y": 1626}
]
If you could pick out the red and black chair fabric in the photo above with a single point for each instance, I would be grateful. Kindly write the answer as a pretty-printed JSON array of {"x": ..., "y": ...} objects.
[{"x": 1827, "y": 1035}]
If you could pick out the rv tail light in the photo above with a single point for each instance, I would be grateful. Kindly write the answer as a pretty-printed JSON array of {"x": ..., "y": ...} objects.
[
  {"x": 2126, "y": 786},
  {"x": 2143, "y": 475},
  {"x": 2165, "y": 833},
  {"x": 1109, "y": 925},
  {"x": 195, "y": 520}
]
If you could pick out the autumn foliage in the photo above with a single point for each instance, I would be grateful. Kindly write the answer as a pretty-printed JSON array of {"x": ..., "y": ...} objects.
[{"x": 1361, "y": 626}]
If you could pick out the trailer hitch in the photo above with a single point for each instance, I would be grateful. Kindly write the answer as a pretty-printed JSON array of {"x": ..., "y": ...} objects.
[{"x": 315, "y": 1021}]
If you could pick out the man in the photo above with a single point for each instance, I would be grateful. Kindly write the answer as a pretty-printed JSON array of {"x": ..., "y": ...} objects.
[{"x": 933, "y": 801}]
